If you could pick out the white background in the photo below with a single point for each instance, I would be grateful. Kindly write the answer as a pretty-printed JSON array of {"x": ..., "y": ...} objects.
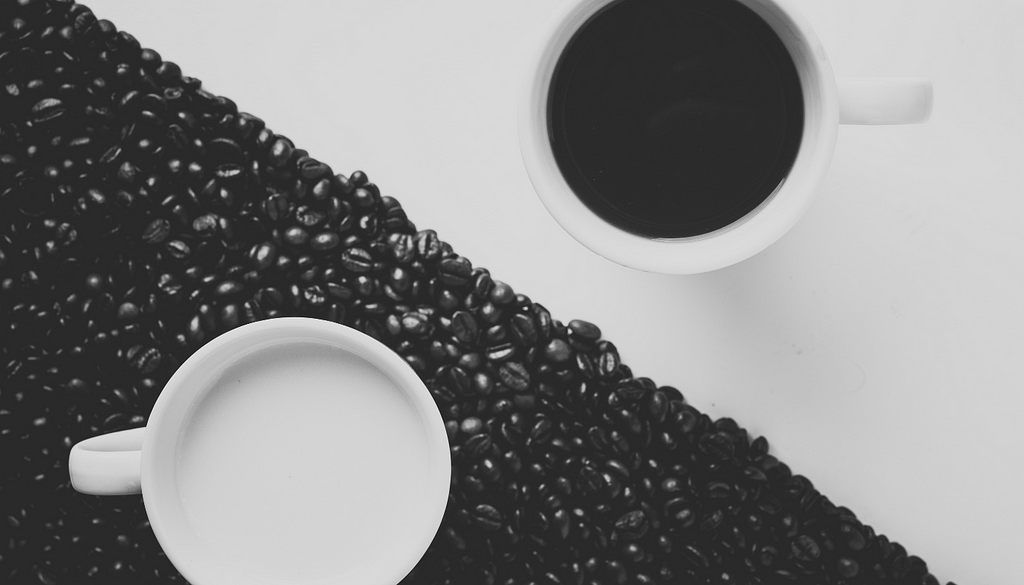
[{"x": 878, "y": 345}]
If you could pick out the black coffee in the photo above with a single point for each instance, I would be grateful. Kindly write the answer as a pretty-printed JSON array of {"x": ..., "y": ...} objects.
[{"x": 673, "y": 118}]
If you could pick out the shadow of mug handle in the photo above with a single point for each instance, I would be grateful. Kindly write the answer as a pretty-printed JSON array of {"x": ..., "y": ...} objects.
[
  {"x": 884, "y": 100},
  {"x": 108, "y": 465}
]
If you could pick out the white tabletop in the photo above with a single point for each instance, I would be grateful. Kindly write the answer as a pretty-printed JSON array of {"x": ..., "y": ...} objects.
[{"x": 878, "y": 345}]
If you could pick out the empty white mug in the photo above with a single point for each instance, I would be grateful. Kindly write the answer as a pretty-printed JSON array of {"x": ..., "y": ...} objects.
[
  {"x": 286, "y": 450},
  {"x": 828, "y": 102}
]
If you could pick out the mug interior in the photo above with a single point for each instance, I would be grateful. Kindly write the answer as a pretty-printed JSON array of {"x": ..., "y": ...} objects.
[
  {"x": 740, "y": 239},
  {"x": 295, "y": 449}
]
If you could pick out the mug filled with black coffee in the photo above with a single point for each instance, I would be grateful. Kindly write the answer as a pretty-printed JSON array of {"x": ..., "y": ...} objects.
[{"x": 682, "y": 136}]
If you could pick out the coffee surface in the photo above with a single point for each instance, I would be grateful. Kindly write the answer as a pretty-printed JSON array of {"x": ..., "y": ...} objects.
[
  {"x": 675, "y": 118},
  {"x": 303, "y": 462}
]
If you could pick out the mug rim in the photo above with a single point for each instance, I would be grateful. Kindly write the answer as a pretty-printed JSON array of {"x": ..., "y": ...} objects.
[
  {"x": 172, "y": 413},
  {"x": 737, "y": 241}
]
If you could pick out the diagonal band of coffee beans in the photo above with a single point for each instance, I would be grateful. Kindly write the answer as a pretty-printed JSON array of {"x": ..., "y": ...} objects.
[{"x": 141, "y": 216}]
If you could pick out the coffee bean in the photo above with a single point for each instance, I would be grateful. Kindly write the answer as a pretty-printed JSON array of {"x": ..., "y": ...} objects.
[
  {"x": 416, "y": 324},
  {"x": 48, "y": 110},
  {"x": 486, "y": 517},
  {"x": 325, "y": 241},
  {"x": 584, "y": 330},
  {"x": 309, "y": 217},
  {"x": 276, "y": 206},
  {"x": 145, "y": 360},
  {"x": 557, "y": 351},
  {"x": 806, "y": 548},
  {"x": 262, "y": 256},
  {"x": 472, "y": 425},
  {"x": 464, "y": 327},
  {"x": 523, "y": 329},
  {"x": 128, "y": 312},
  {"x": 225, "y": 150},
  {"x": 502, "y": 294},
  {"x": 357, "y": 260},
  {"x": 608, "y": 361},
  {"x": 632, "y": 525},
  {"x": 454, "y": 271},
  {"x": 515, "y": 376},
  {"x": 482, "y": 384},
  {"x": 296, "y": 236},
  {"x": 717, "y": 445},
  {"x": 428, "y": 247},
  {"x": 156, "y": 231},
  {"x": 228, "y": 288},
  {"x": 313, "y": 169},
  {"x": 205, "y": 225},
  {"x": 695, "y": 556},
  {"x": 178, "y": 249},
  {"x": 280, "y": 152},
  {"x": 847, "y": 568},
  {"x": 852, "y": 537},
  {"x": 477, "y": 446},
  {"x": 630, "y": 391},
  {"x": 501, "y": 352}
]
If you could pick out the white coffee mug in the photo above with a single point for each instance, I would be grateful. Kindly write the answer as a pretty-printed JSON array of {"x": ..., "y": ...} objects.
[
  {"x": 286, "y": 450},
  {"x": 828, "y": 102}
]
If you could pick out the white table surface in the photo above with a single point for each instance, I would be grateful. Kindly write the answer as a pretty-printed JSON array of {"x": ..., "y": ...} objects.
[{"x": 878, "y": 345}]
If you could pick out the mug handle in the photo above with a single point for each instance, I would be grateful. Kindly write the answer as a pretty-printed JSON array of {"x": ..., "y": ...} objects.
[
  {"x": 884, "y": 100},
  {"x": 108, "y": 465}
]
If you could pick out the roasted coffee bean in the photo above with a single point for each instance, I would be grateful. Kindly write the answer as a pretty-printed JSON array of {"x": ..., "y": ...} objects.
[
  {"x": 502, "y": 294},
  {"x": 608, "y": 361},
  {"x": 178, "y": 249},
  {"x": 313, "y": 169},
  {"x": 483, "y": 384},
  {"x": 228, "y": 288},
  {"x": 156, "y": 231},
  {"x": 225, "y": 150},
  {"x": 541, "y": 432},
  {"x": 357, "y": 260},
  {"x": 464, "y": 327},
  {"x": 454, "y": 271},
  {"x": 325, "y": 241},
  {"x": 296, "y": 236},
  {"x": 501, "y": 352},
  {"x": 205, "y": 226},
  {"x": 416, "y": 324},
  {"x": 128, "y": 311},
  {"x": 471, "y": 426},
  {"x": 711, "y": 521},
  {"x": 717, "y": 445},
  {"x": 486, "y": 517},
  {"x": 847, "y": 568},
  {"x": 806, "y": 548},
  {"x": 523, "y": 329},
  {"x": 276, "y": 206},
  {"x": 557, "y": 351},
  {"x": 428, "y": 247},
  {"x": 584, "y": 330},
  {"x": 309, "y": 217},
  {"x": 48, "y": 110},
  {"x": 515, "y": 376},
  {"x": 632, "y": 525},
  {"x": 145, "y": 360},
  {"x": 477, "y": 446},
  {"x": 401, "y": 247},
  {"x": 262, "y": 256}
]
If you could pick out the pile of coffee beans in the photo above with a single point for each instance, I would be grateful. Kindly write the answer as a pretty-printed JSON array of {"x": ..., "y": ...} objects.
[{"x": 141, "y": 216}]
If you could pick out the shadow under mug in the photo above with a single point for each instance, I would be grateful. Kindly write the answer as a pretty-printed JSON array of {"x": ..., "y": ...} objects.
[
  {"x": 828, "y": 102},
  {"x": 290, "y": 449}
]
